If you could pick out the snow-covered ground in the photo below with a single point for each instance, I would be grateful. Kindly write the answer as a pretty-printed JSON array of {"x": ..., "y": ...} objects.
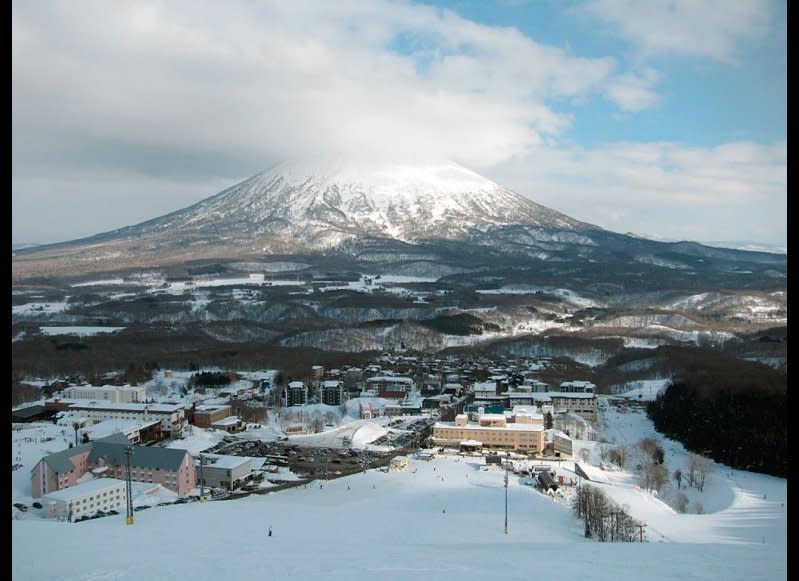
[{"x": 439, "y": 519}]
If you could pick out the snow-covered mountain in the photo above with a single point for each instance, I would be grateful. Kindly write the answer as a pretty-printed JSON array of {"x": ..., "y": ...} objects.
[
  {"x": 319, "y": 204},
  {"x": 381, "y": 212}
]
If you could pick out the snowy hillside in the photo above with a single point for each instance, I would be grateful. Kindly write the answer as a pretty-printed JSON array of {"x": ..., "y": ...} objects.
[
  {"x": 322, "y": 202},
  {"x": 438, "y": 519}
]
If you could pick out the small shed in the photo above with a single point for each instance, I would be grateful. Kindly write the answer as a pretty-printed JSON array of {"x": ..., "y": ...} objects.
[{"x": 547, "y": 481}]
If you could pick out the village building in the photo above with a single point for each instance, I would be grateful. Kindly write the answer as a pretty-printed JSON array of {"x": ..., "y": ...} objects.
[
  {"x": 577, "y": 387},
  {"x": 396, "y": 387},
  {"x": 86, "y": 499},
  {"x": 172, "y": 416},
  {"x": 171, "y": 467},
  {"x": 581, "y": 403},
  {"x": 204, "y": 416},
  {"x": 230, "y": 424},
  {"x": 110, "y": 393},
  {"x": 332, "y": 392},
  {"x": 493, "y": 431},
  {"x": 224, "y": 471},
  {"x": 135, "y": 431},
  {"x": 296, "y": 393}
]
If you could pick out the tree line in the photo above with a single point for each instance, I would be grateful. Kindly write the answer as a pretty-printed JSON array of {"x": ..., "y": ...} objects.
[
  {"x": 737, "y": 420},
  {"x": 604, "y": 519}
]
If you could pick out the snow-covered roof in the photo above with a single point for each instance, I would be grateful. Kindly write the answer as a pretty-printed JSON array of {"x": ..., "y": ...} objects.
[
  {"x": 108, "y": 427},
  {"x": 211, "y": 407},
  {"x": 389, "y": 379},
  {"x": 133, "y": 407},
  {"x": 562, "y": 394},
  {"x": 506, "y": 427},
  {"x": 87, "y": 488},
  {"x": 228, "y": 421},
  {"x": 223, "y": 461}
]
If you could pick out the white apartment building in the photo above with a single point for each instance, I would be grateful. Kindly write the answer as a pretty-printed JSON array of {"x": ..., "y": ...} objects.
[
  {"x": 172, "y": 416},
  {"x": 85, "y": 499},
  {"x": 110, "y": 393}
]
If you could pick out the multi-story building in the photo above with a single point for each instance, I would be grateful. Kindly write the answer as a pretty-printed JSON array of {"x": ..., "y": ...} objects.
[
  {"x": 562, "y": 444},
  {"x": 577, "y": 387},
  {"x": 532, "y": 385},
  {"x": 492, "y": 431},
  {"x": 172, "y": 416},
  {"x": 483, "y": 389},
  {"x": 296, "y": 393},
  {"x": 171, "y": 467},
  {"x": 222, "y": 471},
  {"x": 86, "y": 499},
  {"x": 582, "y": 404},
  {"x": 206, "y": 415},
  {"x": 135, "y": 431},
  {"x": 332, "y": 392},
  {"x": 110, "y": 393},
  {"x": 395, "y": 387}
]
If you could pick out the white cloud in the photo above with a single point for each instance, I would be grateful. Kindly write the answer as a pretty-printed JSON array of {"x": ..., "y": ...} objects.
[
  {"x": 735, "y": 190},
  {"x": 632, "y": 93},
  {"x": 278, "y": 78},
  {"x": 708, "y": 28},
  {"x": 142, "y": 107}
]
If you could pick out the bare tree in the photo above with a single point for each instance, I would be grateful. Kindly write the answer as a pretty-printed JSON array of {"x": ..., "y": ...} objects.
[
  {"x": 618, "y": 455},
  {"x": 680, "y": 502},
  {"x": 652, "y": 450},
  {"x": 698, "y": 469},
  {"x": 703, "y": 468},
  {"x": 698, "y": 508},
  {"x": 678, "y": 477},
  {"x": 603, "y": 518},
  {"x": 653, "y": 476},
  {"x": 691, "y": 476}
]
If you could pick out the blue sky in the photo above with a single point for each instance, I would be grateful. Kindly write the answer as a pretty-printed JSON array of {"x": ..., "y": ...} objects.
[{"x": 663, "y": 118}]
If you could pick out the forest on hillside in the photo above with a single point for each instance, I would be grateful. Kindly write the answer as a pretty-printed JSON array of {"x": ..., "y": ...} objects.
[{"x": 736, "y": 415}]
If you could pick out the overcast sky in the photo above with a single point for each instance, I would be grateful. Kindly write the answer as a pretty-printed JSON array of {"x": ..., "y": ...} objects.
[{"x": 665, "y": 118}]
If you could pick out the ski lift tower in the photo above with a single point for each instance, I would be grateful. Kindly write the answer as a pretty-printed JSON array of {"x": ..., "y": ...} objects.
[
  {"x": 202, "y": 479},
  {"x": 129, "y": 486}
]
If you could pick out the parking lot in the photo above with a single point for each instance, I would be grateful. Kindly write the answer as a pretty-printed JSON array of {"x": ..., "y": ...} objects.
[{"x": 318, "y": 462}]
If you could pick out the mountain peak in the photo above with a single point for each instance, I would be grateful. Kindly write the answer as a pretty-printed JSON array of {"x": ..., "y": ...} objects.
[
  {"x": 383, "y": 180},
  {"x": 324, "y": 203}
]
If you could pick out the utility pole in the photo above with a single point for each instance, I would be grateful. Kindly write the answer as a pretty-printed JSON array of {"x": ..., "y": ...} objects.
[
  {"x": 129, "y": 486},
  {"x": 641, "y": 529},
  {"x": 202, "y": 478},
  {"x": 506, "y": 496}
]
